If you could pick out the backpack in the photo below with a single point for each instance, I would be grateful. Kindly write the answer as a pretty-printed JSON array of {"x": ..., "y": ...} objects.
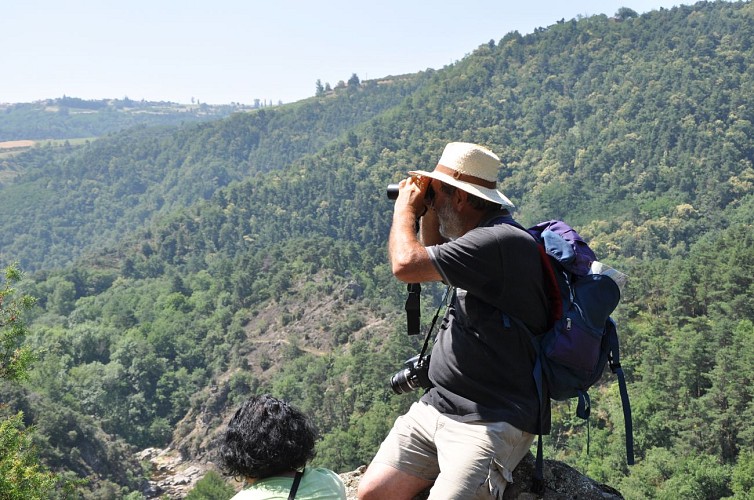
[{"x": 581, "y": 338}]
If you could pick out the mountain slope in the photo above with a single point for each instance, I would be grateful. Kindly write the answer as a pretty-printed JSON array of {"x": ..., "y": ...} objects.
[{"x": 65, "y": 201}]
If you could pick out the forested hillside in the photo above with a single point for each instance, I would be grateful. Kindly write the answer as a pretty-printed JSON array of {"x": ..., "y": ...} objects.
[
  {"x": 180, "y": 269},
  {"x": 89, "y": 196}
]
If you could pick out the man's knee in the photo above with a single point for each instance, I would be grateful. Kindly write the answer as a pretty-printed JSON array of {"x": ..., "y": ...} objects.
[
  {"x": 371, "y": 481},
  {"x": 367, "y": 487},
  {"x": 384, "y": 482}
]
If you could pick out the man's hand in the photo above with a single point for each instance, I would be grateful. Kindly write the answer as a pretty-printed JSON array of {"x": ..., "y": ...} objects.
[{"x": 411, "y": 193}]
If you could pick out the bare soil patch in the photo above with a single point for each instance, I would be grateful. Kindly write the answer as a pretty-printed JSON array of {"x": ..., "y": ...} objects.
[{"x": 16, "y": 144}]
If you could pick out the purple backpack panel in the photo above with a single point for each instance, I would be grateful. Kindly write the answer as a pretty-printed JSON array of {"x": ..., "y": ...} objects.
[{"x": 565, "y": 245}]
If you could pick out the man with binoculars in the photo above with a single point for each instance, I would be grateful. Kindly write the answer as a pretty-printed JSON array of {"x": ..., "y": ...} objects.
[{"x": 478, "y": 417}]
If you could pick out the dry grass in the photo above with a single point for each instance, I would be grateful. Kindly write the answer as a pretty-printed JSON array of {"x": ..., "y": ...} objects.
[
  {"x": 16, "y": 144},
  {"x": 11, "y": 148}
]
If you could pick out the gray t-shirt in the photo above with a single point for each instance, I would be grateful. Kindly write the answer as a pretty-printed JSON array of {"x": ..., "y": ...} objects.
[{"x": 481, "y": 364}]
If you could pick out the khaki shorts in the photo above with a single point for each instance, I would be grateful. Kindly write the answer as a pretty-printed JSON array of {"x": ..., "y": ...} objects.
[{"x": 464, "y": 459}]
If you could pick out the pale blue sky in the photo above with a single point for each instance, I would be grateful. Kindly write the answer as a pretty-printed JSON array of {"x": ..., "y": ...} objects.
[{"x": 224, "y": 51}]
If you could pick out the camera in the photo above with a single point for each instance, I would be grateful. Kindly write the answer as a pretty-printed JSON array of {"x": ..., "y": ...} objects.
[{"x": 413, "y": 377}]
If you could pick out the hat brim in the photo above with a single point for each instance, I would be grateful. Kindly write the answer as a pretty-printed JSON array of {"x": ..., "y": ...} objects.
[{"x": 488, "y": 194}]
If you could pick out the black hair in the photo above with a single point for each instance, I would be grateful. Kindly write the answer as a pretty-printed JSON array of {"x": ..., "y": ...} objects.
[{"x": 266, "y": 437}]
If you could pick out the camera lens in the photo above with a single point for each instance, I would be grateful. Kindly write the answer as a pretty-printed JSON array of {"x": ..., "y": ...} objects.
[
  {"x": 413, "y": 377},
  {"x": 392, "y": 191},
  {"x": 404, "y": 381}
]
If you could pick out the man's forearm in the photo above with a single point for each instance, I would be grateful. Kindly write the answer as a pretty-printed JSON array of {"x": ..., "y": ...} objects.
[
  {"x": 409, "y": 259},
  {"x": 403, "y": 242}
]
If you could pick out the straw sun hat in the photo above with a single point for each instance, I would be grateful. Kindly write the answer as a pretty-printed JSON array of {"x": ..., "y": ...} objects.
[{"x": 472, "y": 168}]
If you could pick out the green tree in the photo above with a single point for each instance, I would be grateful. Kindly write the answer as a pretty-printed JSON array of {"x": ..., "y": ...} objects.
[
  {"x": 669, "y": 474},
  {"x": 625, "y": 13},
  {"x": 211, "y": 487},
  {"x": 742, "y": 482},
  {"x": 22, "y": 477},
  {"x": 21, "y": 474},
  {"x": 14, "y": 357},
  {"x": 61, "y": 300}
]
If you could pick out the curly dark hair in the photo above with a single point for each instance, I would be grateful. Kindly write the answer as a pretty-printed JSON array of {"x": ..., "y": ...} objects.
[{"x": 266, "y": 437}]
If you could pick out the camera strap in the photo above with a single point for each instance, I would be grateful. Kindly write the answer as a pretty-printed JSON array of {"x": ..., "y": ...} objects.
[
  {"x": 294, "y": 487},
  {"x": 444, "y": 303},
  {"x": 413, "y": 309}
]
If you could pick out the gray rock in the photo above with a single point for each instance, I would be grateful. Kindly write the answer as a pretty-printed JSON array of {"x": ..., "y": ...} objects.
[{"x": 561, "y": 482}]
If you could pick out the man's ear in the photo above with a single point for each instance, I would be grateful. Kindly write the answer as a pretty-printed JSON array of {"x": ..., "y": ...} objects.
[{"x": 460, "y": 197}]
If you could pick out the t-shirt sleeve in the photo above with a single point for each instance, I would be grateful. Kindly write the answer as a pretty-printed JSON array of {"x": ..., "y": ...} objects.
[{"x": 472, "y": 262}]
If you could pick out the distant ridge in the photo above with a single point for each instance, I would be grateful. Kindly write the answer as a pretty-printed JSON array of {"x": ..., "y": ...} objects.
[{"x": 70, "y": 117}]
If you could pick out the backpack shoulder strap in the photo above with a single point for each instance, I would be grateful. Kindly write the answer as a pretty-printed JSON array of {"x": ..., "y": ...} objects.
[
  {"x": 611, "y": 333},
  {"x": 294, "y": 486}
]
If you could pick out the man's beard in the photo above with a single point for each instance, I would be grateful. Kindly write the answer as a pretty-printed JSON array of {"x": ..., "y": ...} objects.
[{"x": 451, "y": 226}]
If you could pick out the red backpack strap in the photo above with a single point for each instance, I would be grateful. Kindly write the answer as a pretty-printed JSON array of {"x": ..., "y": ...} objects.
[{"x": 552, "y": 289}]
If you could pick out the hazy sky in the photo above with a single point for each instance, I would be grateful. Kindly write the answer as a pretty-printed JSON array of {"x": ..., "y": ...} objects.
[{"x": 224, "y": 51}]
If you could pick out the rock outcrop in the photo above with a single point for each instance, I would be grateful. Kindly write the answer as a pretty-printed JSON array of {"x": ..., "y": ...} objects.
[
  {"x": 561, "y": 482},
  {"x": 173, "y": 479}
]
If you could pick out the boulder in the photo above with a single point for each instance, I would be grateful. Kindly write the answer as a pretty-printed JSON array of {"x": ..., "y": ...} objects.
[{"x": 561, "y": 482}]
